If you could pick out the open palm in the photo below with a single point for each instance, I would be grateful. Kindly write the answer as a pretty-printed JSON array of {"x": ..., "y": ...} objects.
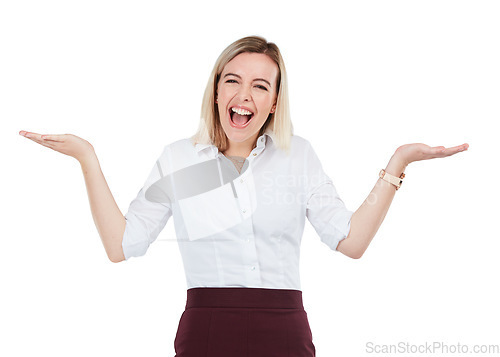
[
  {"x": 418, "y": 151},
  {"x": 67, "y": 144}
]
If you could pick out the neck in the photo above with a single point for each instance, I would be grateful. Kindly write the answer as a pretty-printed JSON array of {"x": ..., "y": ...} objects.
[{"x": 242, "y": 149}]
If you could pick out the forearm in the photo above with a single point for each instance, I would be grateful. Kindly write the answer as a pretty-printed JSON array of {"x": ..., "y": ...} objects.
[
  {"x": 107, "y": 216},
  {"x": 367, "y": 219}
]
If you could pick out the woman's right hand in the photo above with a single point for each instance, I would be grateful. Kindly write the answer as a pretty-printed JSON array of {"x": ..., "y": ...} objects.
[{"x": 67, "y": 144}]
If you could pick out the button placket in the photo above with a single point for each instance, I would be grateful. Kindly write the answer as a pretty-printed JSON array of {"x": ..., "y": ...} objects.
[
  {"x": 244, "y": 201},
  {"x": 249, "y": 261},
  {"x": 253, "y": 273}
]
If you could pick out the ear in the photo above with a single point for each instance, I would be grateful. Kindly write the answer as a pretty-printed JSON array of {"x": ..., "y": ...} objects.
[{"x": 273, "y": 108}]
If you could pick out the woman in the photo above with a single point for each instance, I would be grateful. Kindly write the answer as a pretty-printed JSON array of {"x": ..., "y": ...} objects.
[{"x": 239, "y": 191}]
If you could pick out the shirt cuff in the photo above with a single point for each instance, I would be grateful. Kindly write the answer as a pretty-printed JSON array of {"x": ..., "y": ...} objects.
[
  {"x": 133, "y": 242},
  {"x": 337, "y": 229}
]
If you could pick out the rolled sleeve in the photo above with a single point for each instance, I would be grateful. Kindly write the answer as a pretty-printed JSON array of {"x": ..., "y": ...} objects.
[
  {"x": 144, "y": 219},
  {"x": 325, "y": 210}
]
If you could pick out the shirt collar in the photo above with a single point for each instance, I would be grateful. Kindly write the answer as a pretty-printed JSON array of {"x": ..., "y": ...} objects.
[{"x": 260, "y": 143}]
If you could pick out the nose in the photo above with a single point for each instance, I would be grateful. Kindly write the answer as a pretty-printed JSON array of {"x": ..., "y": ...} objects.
[{"x": 245, "y": 93}]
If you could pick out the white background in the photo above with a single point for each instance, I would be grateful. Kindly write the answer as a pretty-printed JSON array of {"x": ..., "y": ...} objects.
[{"x": 364, "y": 76}]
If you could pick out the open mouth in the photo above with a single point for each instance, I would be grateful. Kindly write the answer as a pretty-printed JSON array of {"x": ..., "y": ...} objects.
[{"x": 240, "y": 118}]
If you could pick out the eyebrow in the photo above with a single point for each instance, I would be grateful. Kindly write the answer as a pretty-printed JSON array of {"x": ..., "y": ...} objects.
[{"x": 256, "y": 79}]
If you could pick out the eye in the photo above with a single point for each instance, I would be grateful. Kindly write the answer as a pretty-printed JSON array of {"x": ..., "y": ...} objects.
[
  {"x": 231, "y": 81},
  {"x": 261, "y": 87}
]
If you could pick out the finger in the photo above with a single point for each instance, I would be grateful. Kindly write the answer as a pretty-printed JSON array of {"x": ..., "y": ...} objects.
[
  {"x": 26, "y": 133},
  {"x": 52, "y": 137},
  {"x": 438, "y": 149},
  {"x": 455, "y": 149},
  {"x": 30, "y": 134},
  {"x": 43, "y": 142},
  {"x": 36, "y": 136}
]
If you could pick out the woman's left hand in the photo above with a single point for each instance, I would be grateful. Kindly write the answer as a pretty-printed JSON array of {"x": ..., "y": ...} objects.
[{"x": 415, "y": 152}]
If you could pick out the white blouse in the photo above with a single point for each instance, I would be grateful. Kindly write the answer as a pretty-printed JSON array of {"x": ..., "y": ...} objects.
[{"x": 237, "y": 230}]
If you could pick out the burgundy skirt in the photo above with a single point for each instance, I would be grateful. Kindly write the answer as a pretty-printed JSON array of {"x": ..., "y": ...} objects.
[{"x": 244, "y": 322}]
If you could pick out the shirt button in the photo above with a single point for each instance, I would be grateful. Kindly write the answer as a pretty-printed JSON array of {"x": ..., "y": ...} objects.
[
  {"x": 242, "y": 180},
  {"x": 248, "y": 240},
  {"x": 253, "y": 268},
  {"x": 254, "y": 154},
  {"x": 261, "y": 139},
  {"x": 244, "y": 210}
]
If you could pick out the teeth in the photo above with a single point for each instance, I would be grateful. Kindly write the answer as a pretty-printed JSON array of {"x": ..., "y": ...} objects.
[{"x": 241, "y": 111}]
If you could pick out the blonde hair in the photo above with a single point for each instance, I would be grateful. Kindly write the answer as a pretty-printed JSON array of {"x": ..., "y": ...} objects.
[{"x": 210, "y": 130}]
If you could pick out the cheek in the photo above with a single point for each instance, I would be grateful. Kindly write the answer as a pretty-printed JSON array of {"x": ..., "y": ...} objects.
[
  {"x": 265, "y": 104},
  {"x": 226, "y": 92}
]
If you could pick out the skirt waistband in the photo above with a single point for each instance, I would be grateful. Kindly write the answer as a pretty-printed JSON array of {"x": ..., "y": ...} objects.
[{"x": 244, "y": 297}]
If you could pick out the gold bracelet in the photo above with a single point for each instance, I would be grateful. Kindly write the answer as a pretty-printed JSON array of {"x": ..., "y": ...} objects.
[{"x": 396, "y": 181}]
